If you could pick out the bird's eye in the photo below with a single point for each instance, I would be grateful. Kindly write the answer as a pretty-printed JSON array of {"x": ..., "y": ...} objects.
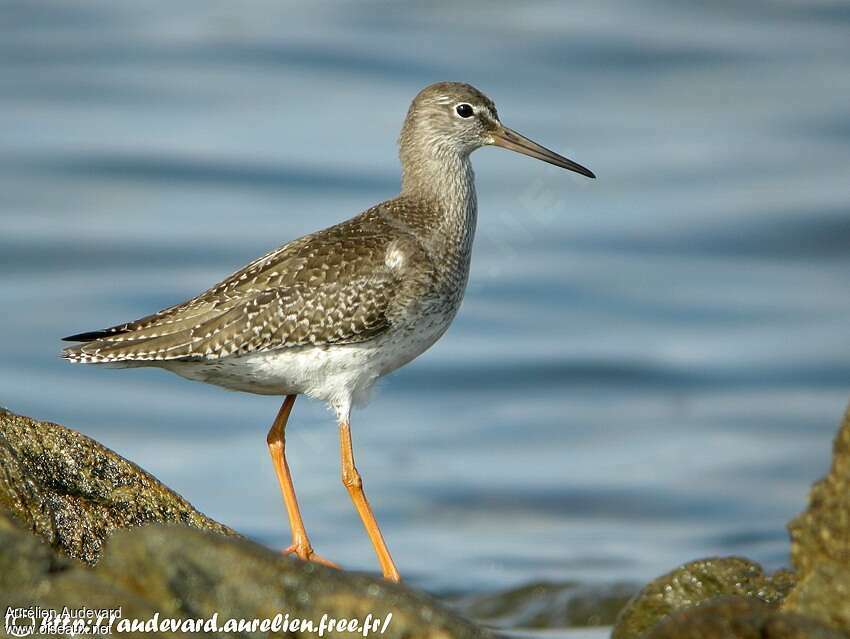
[{"x": 464, "y": 110}]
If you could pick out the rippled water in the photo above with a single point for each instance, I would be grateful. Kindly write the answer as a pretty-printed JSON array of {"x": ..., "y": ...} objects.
[{"x": 648, "y": 368}]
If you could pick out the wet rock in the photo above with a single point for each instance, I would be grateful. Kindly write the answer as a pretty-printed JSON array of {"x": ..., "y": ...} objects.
[
  {"x": 73, "y": 492},
  {"x": 695, "y": 583},
  {"x": 739, "y": 618},
  {"x": 548, "y": 605}
]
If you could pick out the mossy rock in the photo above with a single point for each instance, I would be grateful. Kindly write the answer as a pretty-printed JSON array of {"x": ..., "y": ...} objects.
[
  {"x": 821, "y": 534},
  {"x": 695, "y": 583},
  {"x": 820, "y": 543},
  {"x": 739, "y": 618},
  {"x": 73, "y": 492},
  {"x": 179, "y": 572}
]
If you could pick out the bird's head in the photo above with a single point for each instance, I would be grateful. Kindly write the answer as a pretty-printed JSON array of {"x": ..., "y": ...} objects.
[{"x": 456, "y": 118}]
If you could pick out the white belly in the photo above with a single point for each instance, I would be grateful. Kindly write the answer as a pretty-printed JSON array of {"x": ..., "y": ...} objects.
[{"x": 341, "y": 375}]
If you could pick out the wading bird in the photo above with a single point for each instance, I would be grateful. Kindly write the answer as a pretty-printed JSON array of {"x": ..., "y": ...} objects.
[{"x": 328, "y": 314}]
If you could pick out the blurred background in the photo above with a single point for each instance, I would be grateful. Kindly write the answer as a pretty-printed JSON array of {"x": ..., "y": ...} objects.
[{"x": 647, "y": 369}]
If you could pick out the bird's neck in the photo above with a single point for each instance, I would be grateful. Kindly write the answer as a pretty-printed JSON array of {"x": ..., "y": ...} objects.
[{"x": 445, "y": 184}]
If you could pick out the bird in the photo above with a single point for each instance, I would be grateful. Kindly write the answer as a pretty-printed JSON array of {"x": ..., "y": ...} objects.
[{"x": 328, "y": 314}]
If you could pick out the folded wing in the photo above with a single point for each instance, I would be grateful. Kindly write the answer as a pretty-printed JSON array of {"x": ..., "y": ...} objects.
[
  {"x": 298, "y": 315},
  {"x": 329, "y": 288}
]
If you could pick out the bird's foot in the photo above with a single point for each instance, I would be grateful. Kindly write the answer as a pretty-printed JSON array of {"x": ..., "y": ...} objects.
[{"x": 306, "y": 553}]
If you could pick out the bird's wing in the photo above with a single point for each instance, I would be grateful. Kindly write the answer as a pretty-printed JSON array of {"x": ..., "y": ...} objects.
[
  {"x": 298, "y": 315},
  {"x": 332, "y": 287},
  {"x": 284, "y": 265}
]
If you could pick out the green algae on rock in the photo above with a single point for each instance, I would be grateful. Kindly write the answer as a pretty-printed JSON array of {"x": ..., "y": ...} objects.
[
  {"x": 694, "y": 583},
  {"x": 73, "y": 492}
]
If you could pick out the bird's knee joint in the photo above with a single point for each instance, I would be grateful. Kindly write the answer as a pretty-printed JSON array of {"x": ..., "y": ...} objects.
[
  {"x": 352, "y": 481},
  {"x": 274, "y": 442}
]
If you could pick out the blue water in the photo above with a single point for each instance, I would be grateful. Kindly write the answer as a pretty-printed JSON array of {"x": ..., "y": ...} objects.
[{"x": 647, "y": 369}]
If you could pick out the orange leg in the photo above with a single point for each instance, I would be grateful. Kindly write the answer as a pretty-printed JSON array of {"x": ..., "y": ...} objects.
[
  {"x": 276, "y": 440},
  {"x": 353, "y": 482}
]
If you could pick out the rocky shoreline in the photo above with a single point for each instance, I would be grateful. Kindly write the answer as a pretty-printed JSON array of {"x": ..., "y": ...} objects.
[{"x": 82, "y": 526}]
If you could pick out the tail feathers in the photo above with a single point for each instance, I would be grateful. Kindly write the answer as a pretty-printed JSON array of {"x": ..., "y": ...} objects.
[
  {"x": 156, "y": 337},
  {"x": 167, "y": 322}
]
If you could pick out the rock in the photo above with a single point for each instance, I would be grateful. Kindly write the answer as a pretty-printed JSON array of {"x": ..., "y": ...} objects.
[
  {"x": 191, "y": 573},
  {"x": 823, "y": 594},
  {"x": 34, "y": 574},
  {"x": 820, "y": 543},
  {"x": 695, "y": 583},
  {"x": 822, "y": 532},
  {"x": 739, "y": 618},
  {"x": 100, "y": 543},
  {"x": 115, "y": 536},
  {"x": 548, "y": 605},
  {"x": 185, "y": 573},
  {"x": 812, "y": 602},
  {"x": 24, "y": 557},
  {"x": 74, "y": 492}
]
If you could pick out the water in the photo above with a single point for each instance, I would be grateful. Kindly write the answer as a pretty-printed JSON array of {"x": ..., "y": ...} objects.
[{"x": 647, "y": 369}]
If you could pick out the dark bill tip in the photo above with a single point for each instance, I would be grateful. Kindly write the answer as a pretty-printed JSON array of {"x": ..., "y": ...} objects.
[{"x": 513, "y": 141}]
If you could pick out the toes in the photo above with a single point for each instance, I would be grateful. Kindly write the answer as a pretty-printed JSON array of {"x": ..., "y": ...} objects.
[
  {"x": 307, "y": 554},
  {"x": 321, "y": 560},
  {"x": 295, "y": 550}
]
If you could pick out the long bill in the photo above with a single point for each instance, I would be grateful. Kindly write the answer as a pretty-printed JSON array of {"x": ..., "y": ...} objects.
[{"x": 510, "y": 139}]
